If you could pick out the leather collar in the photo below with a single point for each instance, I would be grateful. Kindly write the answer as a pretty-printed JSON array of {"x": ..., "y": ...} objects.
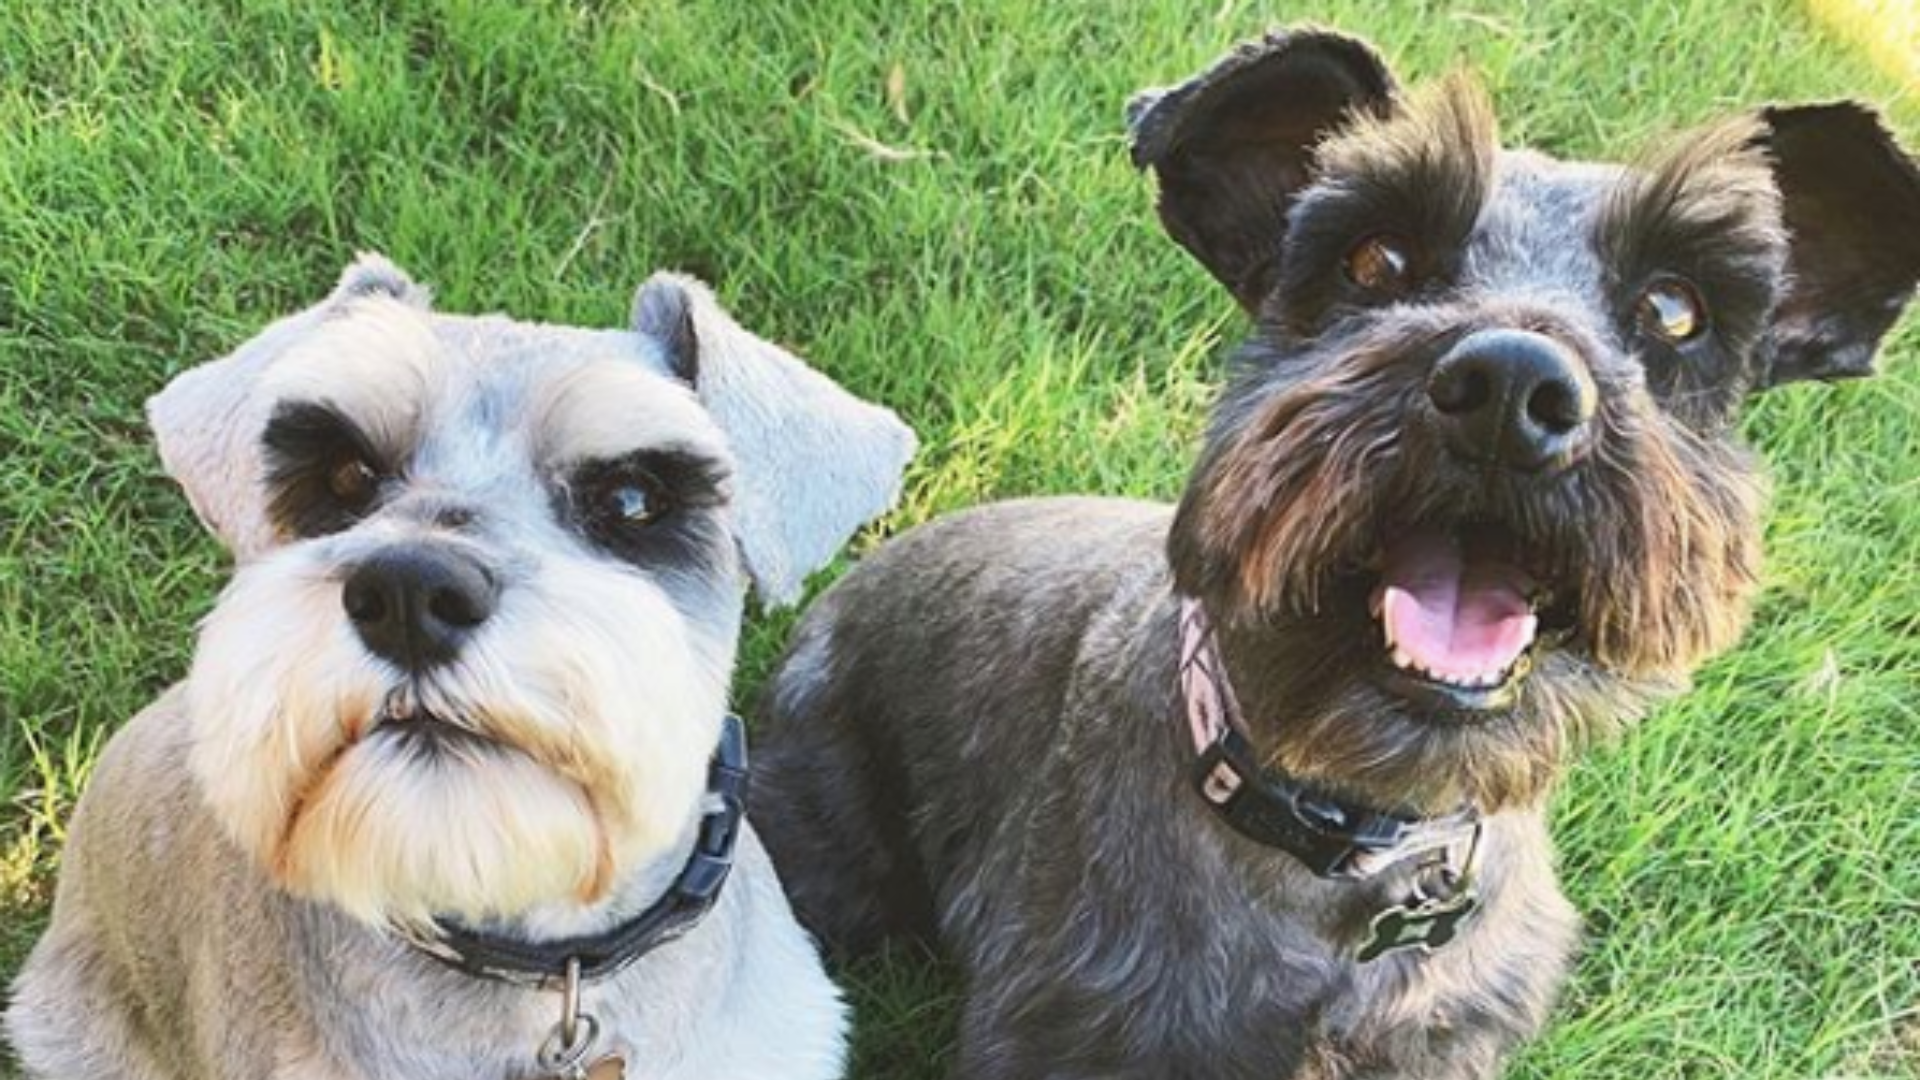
[
  {"x": 1331, "y": 836},
  {"x": 692, "y": 895}
]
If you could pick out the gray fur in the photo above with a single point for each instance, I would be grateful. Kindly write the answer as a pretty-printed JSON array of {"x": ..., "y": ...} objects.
[
  {"x": 816, "y": 463},
  {"x": 171, "y": 959},
  {"x": 186, "y": 945},
  {"x": 1003, "y": 770},
  {"x": 977, "y": 738}
]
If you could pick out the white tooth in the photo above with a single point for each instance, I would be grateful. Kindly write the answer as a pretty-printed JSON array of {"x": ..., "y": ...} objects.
[
  {"x": 1377, "y": 602},
  {"x": 1387, "y": 629},
  {"x": 1403, "y": 660},
  {"x": 1533, "y": 626}
]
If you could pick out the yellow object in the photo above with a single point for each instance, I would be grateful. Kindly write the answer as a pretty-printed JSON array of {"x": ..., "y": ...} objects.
[{"x": 1888, "y": 31}]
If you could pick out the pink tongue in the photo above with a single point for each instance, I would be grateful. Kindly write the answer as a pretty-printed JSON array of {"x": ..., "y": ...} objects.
[{"x": 1456, "y": 615}]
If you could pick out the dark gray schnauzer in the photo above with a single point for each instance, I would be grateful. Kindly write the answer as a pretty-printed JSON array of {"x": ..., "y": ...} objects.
[
  {"x": 451, "y": 792},
  {"x": 1253, "y": 787}
]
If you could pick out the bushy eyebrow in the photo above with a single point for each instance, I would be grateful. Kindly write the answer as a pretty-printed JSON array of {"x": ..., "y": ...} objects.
[
  {"x": 1424, "y": 171},
  {"x": 606, "y": 409},
  {"x": 302, "y": 442},
  {"x": 1705, "y": 208},
  {"x": 692, "y": 476},
  {"x": 1708, "y": 194},
  {"x": 303, "y": 433},
  {"x": 1433, "y": 157}
]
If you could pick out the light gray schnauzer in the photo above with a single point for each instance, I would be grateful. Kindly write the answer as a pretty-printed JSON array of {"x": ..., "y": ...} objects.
[
  {"x": 451, "y": 790},
  {"x": 1253, "y": 787}
]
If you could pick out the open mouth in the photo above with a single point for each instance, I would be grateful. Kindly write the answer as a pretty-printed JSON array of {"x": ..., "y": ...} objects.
[{"x": 1461, "y": 614}]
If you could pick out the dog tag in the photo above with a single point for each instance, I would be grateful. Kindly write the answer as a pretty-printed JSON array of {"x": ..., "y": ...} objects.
[
  {"x": 609, "y": 1068},
  {"x": 1426, "y": 926}
]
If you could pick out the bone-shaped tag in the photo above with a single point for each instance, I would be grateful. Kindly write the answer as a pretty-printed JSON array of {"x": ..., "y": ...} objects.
[{"x": 1426, "y": 926}]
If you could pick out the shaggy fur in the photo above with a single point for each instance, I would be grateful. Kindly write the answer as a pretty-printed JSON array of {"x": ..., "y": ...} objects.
[{"x": 977, "y": 738}]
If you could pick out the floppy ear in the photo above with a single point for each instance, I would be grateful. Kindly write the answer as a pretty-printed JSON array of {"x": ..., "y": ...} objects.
[
  {"x": 813, "y": 462},
  {"x": 1850, "y": 199},
  {"x": 1234, "y": 144},
  {"x": 209, "y": 418}
]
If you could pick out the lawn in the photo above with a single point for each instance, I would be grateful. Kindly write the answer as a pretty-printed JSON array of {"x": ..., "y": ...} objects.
[{"x": 931, "y": 199}]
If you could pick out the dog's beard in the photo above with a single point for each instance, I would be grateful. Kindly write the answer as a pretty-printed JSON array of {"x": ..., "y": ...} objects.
[
  {"x": 1657, "y": 532},
  {"x": 573, "y": 734},
  {"x": 1314, "y": 475}
]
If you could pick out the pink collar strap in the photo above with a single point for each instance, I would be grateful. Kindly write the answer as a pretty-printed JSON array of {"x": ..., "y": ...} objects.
[{"x": 1333, "y": 837}]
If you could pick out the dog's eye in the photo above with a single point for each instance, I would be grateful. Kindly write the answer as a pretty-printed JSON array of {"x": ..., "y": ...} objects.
[
  {"x": 634, "y": 503},
  {"x": 631, "y": 503},
  {"x": 1379, "y": 264},
  {"x": 353, "y": 483},
  {"x": 1672, "y": 311}
]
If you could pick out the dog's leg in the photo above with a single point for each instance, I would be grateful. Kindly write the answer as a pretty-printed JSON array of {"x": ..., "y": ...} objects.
[{"x": 63, "y": 1021}]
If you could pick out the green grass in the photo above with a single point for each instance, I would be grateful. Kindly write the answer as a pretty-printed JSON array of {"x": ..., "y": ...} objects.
[{"x": 930, "y": 199}]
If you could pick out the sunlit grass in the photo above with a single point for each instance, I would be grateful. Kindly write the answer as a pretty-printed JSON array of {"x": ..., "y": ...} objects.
[{"x": 1886, "y": 30}]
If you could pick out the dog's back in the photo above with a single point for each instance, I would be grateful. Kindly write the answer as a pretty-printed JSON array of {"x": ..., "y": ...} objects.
[{"x": 895, "y": 728}]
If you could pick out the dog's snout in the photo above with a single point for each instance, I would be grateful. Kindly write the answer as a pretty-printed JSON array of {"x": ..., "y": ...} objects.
[
  {"x": 415, "y": 606},
  {"x": 1513, "y": 398}
]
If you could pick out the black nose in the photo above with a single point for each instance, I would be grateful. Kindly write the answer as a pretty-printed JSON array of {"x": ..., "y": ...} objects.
[
  {"x": 1513, "y": 398},
  {"x": 415, "y": 605}
]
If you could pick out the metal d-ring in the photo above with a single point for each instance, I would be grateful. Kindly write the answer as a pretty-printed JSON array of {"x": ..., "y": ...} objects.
[
  {"x": 564, "y": 1051},
  {"x": 570, "y": 1002}
]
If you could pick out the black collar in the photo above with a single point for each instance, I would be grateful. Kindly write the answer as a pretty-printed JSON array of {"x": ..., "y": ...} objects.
[
  {"x": 687, "y": 900},
  {"x": 1331, "y": 836}
]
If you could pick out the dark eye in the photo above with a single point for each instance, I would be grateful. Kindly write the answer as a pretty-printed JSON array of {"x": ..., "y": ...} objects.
[
  {"x": 1672, "y": 311},
  {"x": 628, "y": 501},
  {"x": 1379, "y": 264},
  {"x": 642, "y": 504},
  {"x": 353, "y": 483}
]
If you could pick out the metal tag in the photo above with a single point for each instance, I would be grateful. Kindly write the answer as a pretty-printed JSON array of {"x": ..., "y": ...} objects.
[
  {"x": 608, "y": 1068},
  {"x": 1427, "y": 926}
]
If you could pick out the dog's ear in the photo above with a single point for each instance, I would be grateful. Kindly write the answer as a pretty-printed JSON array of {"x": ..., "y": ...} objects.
[
  {"x": 1234, "y": 144},
  {"x": 1850, "y": 199},
  {"x": 208, "y": 419},
  {"x": 813, "y": 462}
]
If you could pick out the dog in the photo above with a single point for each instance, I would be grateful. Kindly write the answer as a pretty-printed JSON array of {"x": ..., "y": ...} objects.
[
  {"x": 1253, "y": 786},
  {"x": 451, "y": 789}
]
